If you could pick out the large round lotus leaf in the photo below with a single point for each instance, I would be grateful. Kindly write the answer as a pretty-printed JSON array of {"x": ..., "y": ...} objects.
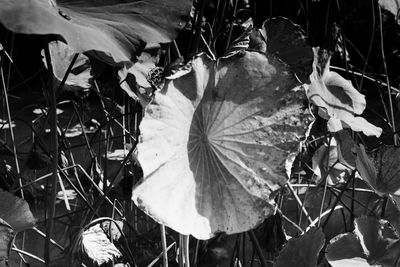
[
  {"x": 214, "y": 144},
  {"x": 117, "y": 28},
  {"x": 15, "y": 211},
  {"x": 302, "y": 251}
]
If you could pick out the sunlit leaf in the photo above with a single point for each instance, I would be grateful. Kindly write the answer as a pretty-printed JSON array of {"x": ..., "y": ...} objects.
[
  {"x": 302, "y": 251},
  {"x": 97, "y": 247},
  {"x": 112, "y": 30},
  {"x": 113, "y": 232},
  {"x": 391, "y": 5},
  {"x": 337, "y": 99},
  {"x": 61, "y": 56},
  {"x": 15, "y": 211},
  {"x": 135, "y": 79},
  {"x": 373, "y": 243},
  {"x": 214, "y": 143}
]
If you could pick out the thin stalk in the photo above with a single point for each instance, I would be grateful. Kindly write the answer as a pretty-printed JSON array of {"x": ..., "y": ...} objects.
[
  {"x": 200, "y": 14},
  {"x": 386, "y": 74},
  {"x": 54, "y": 139},
  {"x": 27, "y": 254},
  {"x": 160, "y": 255},
  {"x": 370, "y": 43},
  {"x": 303, "y": 209},
  {"x": 257, "y": 246},
  {"x": 164, "y": 245},
  {"x": 186, "y": 239},
  {"x": 338, "y": 198},
  {"x": 112, "y": 182},
  {"x": 228, "y": 41}
]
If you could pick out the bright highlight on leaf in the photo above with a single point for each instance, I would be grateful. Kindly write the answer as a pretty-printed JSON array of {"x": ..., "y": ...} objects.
[
  {"x": 338, "y": 101},
  {"x": 214, "y": 144},
  {"x": 61, "y": 57},
  {"x": 97, "y": 247},
  {"x": 113, "y": 30}
]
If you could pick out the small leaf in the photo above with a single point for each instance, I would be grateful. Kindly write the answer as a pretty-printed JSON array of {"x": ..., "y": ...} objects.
[
  {"x": 113, "y": 232},
  {"x": 302, "y": 251},
  {"x": 97, "y": 247},
  {"x": 15, "y": 211}
]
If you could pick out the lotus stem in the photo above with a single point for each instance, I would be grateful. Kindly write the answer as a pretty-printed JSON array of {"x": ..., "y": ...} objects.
[{"x": 164, "y": 245}]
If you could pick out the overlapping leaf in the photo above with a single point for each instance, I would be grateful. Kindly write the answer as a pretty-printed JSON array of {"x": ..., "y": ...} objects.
[
  {"x": 302, "y": 251},
  {"x": 61, "y": 57},
  {"x": 114, "y": 30},
  {"x": 373, "y": 243},
  {"x": 339, "y": 101},
  {"x": 381, "y": 170},
  {"x": 15, "y": 211},
  {"x": 214, "y": 143}
]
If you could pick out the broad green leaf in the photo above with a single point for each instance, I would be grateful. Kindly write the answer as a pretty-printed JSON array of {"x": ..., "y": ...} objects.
[
  {"x": 61, "y": 56},
  {"x": 15, "y": 211},
  {"x": 302, "y": 251},
  {"x": 337, "y": 99},
  {"x": 111, "y": 30},
  {"x": 214, "y": 144},
  {"x": 373, "y": 243}
]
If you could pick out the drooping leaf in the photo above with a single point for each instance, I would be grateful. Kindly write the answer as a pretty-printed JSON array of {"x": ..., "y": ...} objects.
[
  {"x": 6, "y": 240},
  {"x": 15, "y": 211},
  {"x": 61, "y": 56},
  {"x": 337, "y": 99},
  {"x": 97, "y": 247},
  {"x": 373, "y": 243},
  {"x": 302, "y": 251},
  {"x": 112, "y": 30},
  {"x": 214, "y": 143}
]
